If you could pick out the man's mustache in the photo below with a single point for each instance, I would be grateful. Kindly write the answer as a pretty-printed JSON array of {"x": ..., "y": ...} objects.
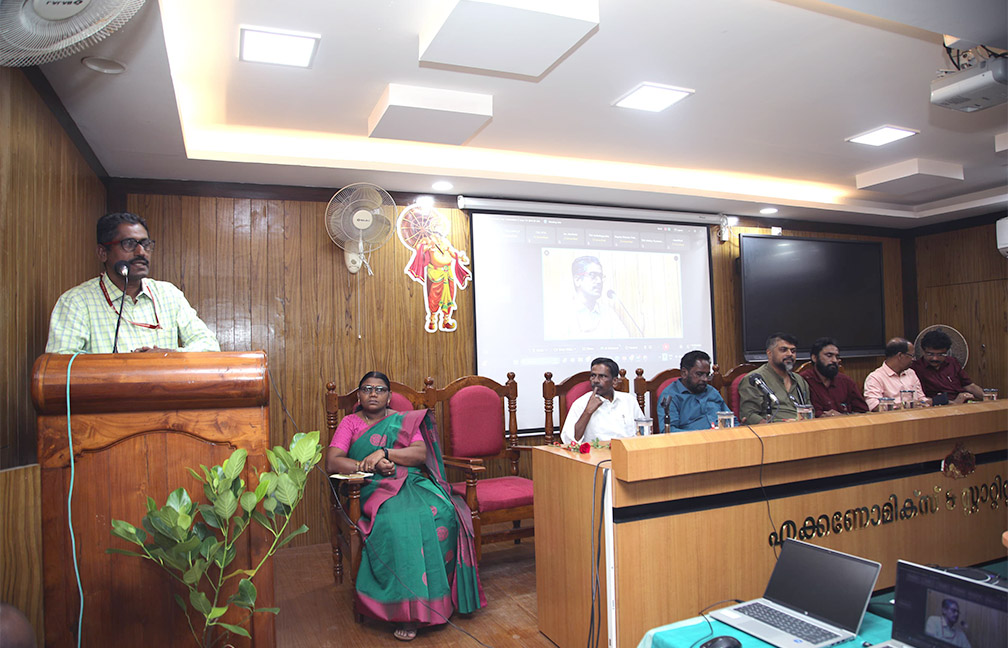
[{"x": 140, "y": 260}]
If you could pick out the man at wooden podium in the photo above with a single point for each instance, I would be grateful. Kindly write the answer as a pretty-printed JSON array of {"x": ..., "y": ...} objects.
[{"x": 156, "y": 314}]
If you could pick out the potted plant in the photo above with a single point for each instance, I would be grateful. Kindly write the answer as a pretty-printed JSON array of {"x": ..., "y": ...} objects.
[{"x": 196, "y": 543}]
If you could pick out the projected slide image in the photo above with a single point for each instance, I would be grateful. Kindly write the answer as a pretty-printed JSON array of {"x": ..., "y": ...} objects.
[{"x": 611, "y": 294}]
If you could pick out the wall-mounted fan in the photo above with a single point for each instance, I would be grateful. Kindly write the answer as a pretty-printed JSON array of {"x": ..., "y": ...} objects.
[
  {"x": 33, "y": 32},
  {"x": 359, "y": 220},
  {"x": 959, "y": 350}
]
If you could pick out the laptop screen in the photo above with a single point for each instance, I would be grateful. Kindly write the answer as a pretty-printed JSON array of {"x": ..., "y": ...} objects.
[
  {"x": 828, "y": 585},
  {"x": 935, "y": 609}
]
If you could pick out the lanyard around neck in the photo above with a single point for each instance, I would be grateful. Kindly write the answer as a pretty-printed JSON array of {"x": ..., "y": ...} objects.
[{"x": 157, "y": 322}]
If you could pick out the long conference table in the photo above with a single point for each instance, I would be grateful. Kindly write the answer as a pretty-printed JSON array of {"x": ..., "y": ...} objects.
[{"x": 689, "y": 519}]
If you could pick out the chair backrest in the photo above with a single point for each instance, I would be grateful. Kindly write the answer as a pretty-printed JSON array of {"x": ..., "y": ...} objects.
[
  {"x": 731, "y": 381},
  {"x": 402, "y": 399},
  {"x": 652, "y": 389},
  {"x": 803, "y": 366},
  {"x": 568, "y": 391},
  {"x": 472, "y": 416}
]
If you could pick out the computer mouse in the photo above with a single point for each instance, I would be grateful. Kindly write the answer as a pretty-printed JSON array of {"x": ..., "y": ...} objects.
[{"x": 724, "y": 641}]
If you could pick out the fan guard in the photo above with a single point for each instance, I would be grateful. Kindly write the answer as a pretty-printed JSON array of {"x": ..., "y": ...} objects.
[
  {"x": 359, "y": 220},
  {"x": 34, "y": 32}
]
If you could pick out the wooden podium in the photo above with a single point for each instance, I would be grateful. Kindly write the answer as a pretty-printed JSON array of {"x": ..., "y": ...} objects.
[
  {"x": 139, "y": 421},
  {"x": 687, "y": 516}
]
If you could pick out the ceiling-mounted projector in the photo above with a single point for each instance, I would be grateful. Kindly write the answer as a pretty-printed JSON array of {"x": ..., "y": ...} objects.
[{"x": 981, "y": 86}]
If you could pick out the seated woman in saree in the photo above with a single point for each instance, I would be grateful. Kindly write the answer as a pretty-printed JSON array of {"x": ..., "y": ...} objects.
[{"x": 418, "y": 564}]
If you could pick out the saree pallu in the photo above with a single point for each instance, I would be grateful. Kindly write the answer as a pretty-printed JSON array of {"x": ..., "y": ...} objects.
[{"x": 418, "y": 563}]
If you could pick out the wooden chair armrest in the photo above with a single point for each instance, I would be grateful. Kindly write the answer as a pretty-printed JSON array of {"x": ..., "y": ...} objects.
[{"x": 472, "y": 466}]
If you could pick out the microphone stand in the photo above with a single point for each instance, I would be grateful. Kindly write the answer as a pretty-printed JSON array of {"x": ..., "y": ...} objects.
[{"x": 122, "y": 300}]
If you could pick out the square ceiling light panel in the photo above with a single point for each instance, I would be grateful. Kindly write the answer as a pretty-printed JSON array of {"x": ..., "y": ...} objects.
[
  {"x": 910, "y": 176},
  {"x": 277, "y": 46},
  {"x": 883, "y": 135},
  {"x": 653, "y": 97},
  {"x": 518, "y": 37},
  {"x": 429, "y": 115}
]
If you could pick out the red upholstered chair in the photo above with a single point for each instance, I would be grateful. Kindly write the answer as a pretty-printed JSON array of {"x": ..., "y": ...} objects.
[
  {"x": 568, "y": 391},
  {"x": 472, "y": 417},
  {"x": 732, "y": 380},
  {"x": 653, "y": 388},
  {"x": 344, "y": 537}
]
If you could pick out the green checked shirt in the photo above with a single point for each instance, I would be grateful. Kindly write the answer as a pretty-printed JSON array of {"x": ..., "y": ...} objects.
[{"x": 84, "y": 319}]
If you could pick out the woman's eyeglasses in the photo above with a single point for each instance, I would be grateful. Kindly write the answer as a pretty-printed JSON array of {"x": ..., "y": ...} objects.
[{"x": 374, "y": 389}]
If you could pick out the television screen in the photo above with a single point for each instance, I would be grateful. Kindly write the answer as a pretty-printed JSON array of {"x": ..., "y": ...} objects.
[
  {"x": 552, "y": 293},
  {"x": 812, "y": 288}
]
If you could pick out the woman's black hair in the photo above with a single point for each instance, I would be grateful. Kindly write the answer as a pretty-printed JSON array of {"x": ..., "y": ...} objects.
[{"x": 375, "y": 374}]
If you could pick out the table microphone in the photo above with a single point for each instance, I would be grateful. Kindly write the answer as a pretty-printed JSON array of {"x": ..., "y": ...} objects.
[
  {"x": 120, "y": 268},
  {"x": 759, "y": 383}
]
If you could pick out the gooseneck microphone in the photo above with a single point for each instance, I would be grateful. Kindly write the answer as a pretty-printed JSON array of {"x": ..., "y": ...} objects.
[
  {"x": 121, "y": 268},
  {"x": 756, "y": 381}
]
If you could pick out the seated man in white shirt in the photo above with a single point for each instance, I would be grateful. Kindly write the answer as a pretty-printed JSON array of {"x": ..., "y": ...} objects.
[{"x": 603, "y": 413}]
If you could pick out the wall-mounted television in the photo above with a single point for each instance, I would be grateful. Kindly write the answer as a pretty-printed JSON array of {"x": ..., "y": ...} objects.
[{"x": 812, "y": 288}]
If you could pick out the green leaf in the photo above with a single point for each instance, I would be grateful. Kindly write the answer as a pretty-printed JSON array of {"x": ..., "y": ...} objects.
[
  {"x": 273, "y": 610},
  {"x": 287, "y": 491},
  {"x": 269, "y": 504},
  {"x": 113, "y": 550},
  {"x": 217, "y": 612},
  {"x": 274, "y": 461},
  {"x": 151, "y": 504},
  {"x": 302, "y": 529},
  {"x": 209, "y": 547},
  {"x": 261, "y": 519},
  {"x": 199, "y": 601},
  {"x": 184, "y": 521},
  {"x": 226, "y": 505},
  {"x": 235, "y": 464},
  {"x": 179, "y": 501},
  {"x": 195, "y": 474},
  {"x": 209, "y": 516},
  {"x": 304, "y": 448},
  {"x": 125, "y": 530},
  {"x": 245, "y": 596},
  {"x": 248, "y": 501},
  {"x": 194, "y": 573},
  {"x": 181, "y": 604},
  {"x": 238, "y": 630}
]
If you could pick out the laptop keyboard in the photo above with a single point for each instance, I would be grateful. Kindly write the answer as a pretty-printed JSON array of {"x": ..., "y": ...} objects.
[{"x": 786, "y": 622}]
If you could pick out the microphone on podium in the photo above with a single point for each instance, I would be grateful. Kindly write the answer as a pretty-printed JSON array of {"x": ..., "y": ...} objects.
[
  {"x": 756, "y": 381},
  {"x": 121, "y": 268}
]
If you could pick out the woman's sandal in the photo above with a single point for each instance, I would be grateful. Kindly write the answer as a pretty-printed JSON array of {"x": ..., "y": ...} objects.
[{"x": 405, "y": 632}]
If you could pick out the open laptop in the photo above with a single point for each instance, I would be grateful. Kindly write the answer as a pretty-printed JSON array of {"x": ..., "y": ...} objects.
[
  {"x": 936, "y": 609},
  {"x": 815, "y": 597}
]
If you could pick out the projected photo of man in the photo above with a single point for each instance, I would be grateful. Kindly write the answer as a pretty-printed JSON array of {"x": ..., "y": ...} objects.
[{"x": 590, "y": 315}]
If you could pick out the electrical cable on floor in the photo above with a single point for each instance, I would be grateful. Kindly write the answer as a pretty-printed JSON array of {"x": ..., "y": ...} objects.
[
  {"x": 762, "y": 451},
  {"x": 595, "y": 628},
  {"x": 73, "y": 540}
]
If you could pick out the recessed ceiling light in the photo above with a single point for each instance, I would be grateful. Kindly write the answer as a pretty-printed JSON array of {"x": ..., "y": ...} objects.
[
  {"x": 103, "y": 65},
  {"x": 279, "y": 46},
  {"x": 766, "y": 211},
  {"x": 652, "y": 97},
  {"x": 776, "y": 231},
  {"x": 442, "y": 185},
  {"x": 882, "y": 135}
]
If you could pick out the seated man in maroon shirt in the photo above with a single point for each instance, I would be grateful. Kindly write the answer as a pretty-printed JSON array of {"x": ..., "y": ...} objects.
[
  {"x": 833, "y": 393},
  {"x": 940, "y": 372}
]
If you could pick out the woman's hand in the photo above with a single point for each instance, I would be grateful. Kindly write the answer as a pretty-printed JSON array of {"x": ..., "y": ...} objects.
[
  {"x": 385, "y": 467},
  {"x": 368, "y": 463}
]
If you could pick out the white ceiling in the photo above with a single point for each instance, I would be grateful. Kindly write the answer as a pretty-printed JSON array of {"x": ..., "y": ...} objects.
[{"x": 779, "y": 86}]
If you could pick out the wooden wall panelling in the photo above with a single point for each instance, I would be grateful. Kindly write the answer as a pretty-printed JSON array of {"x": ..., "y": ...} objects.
[
  {"x": 49, "y": 202},
  {"x": 21, "y": 547},
  {"x": 978, "y": 311},
  {"x": 958, "y": 257},
  {"x": 962, "y": 281}
]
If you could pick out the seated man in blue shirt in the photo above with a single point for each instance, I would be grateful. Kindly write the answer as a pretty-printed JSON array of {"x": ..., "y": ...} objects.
[{"x": 692, "y": 403}]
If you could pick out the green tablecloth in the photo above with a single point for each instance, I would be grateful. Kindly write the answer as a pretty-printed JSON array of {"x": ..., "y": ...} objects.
[{"x": 874, "y": 629}]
